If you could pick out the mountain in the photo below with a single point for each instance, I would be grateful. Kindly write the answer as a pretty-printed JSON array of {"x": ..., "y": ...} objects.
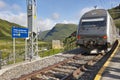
[
  {"x": 5, "y": 29},
  {"x": 65, "y": 29},
  {"x": 115, "y": 12},
  {"x": 60, "y": 32},
  {"x": 42, "y": 34}
]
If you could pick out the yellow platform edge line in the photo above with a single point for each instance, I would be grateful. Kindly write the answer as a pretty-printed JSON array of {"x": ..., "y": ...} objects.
[{"x": 99, "y": 74}]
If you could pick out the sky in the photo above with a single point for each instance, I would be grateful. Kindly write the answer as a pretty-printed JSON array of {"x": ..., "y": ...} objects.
[{"x": 51, "y": 12}]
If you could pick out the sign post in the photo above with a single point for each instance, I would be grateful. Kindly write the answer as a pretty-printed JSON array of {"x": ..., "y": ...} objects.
[
  {"x": 14, "y": 50},
  {"x": 18, "y": 33}
]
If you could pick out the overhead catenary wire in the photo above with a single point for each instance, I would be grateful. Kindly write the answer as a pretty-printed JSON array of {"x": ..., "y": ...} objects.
[{"x": 102, "y": 3}]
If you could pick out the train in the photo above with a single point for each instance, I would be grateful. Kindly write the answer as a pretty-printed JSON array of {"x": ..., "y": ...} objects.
[{"x": 96, "y": 30}]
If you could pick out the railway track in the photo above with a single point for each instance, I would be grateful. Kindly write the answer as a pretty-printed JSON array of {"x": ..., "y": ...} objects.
[{"x": 72, "y": 68}]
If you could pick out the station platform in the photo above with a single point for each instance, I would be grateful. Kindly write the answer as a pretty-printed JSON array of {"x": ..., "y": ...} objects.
[
  {"x": 112, "y": 71},
  {"x": 111, "y": 68}
]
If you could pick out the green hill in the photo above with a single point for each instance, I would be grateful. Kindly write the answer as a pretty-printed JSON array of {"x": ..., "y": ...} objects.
[
  {"x": 115, "y": 13},
  {"x": 42, "y": 34},
  {"x": 60, "y": 32},
  {"x": 5, "y": 29}
]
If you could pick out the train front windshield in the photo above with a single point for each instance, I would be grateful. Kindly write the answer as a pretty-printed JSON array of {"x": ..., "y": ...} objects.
[{"x": 93, "y": 22}]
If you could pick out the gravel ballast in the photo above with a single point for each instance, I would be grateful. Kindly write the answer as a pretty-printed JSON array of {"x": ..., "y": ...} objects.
[{"x": 28, "y": 67}]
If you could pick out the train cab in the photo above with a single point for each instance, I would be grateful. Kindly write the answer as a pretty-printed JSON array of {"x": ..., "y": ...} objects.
[{"x": 95, "y": 30}]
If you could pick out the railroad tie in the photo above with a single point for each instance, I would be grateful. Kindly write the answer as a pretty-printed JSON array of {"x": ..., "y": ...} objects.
[{"x": 76, "y": 73}]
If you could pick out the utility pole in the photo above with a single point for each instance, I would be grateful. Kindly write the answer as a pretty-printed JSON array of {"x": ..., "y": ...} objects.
[{"x": 32, "y": 41}]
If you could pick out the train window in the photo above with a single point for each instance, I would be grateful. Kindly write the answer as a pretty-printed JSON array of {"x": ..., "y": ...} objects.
[
  {"x": 94, "y": 24},
  {"x": 93, "y": 19}
]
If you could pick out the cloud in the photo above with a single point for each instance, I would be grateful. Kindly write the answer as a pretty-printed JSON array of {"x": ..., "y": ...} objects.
[
  {"x": 7, "y": 12},
  {"x": 13, "y": 14},
  {"x": 48, "y": 24},
  {"x": 69, "y": 22},
  {"x": 84, "y": 10},
  {"x": 55, "y": 16},
  {"x": 45, "y": 24},
  {"x": 114, "y": 3},
  {"x": 7, "y": 7},
  {"x": 20, "y": 18},
  {"x": 2, "y": 4},
  {"x": 16, "y": 7}
]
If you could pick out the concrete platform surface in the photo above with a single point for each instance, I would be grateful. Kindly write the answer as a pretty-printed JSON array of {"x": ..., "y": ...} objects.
[{"x": 112, "y": 71}]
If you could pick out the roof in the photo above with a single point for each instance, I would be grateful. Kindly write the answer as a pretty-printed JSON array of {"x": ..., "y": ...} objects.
[{"x": 95, "y": 13}]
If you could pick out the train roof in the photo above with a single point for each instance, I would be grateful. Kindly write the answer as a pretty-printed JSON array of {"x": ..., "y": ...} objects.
[{"x": 95, "y": 13}]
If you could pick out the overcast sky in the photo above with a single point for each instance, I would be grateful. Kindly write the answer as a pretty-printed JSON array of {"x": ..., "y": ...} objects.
[{"x": 50, "y": 12}]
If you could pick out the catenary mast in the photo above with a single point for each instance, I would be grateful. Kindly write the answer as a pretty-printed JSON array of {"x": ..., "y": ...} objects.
[{"x": 32, "y": 41}]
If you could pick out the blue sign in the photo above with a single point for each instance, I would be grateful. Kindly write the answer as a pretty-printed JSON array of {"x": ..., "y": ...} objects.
[{"x": 19, "y": 32}]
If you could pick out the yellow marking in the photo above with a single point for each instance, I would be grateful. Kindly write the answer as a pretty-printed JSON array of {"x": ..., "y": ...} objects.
[
  {"x": 99, "y": 74},
  {"x": 35, "y": 16}
]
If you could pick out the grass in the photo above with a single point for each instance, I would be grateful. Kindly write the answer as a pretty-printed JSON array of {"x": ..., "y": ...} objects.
[
  {"x": 6, "y": 46},
  {"x": 117, "y": 23},
  {"x": 16, "y": 61},
  {"x": 49, "y": 52}
]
